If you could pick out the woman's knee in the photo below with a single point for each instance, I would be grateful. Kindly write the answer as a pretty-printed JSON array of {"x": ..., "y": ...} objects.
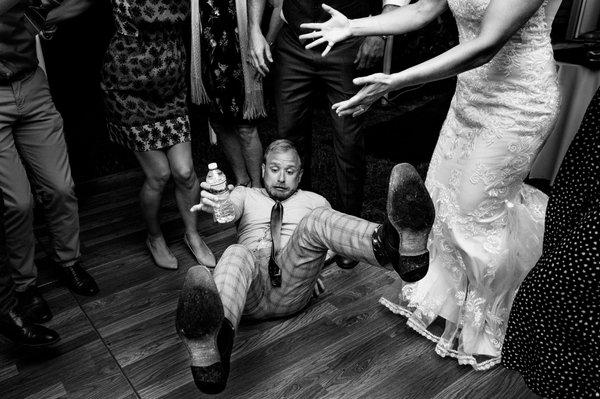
[
  {"x": 184, "y": 175},
  {"x": 247, "y": 134},
  {"x": 158, "y": 178}
]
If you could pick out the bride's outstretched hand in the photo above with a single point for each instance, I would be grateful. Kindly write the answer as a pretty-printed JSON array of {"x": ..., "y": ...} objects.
[
  {"x": 336, "y": 29},
  {"x": 374, "y": 87}
]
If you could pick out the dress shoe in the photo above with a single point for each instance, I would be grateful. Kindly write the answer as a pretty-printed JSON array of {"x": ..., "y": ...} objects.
[
  {"x": 21, "y": 332},
  {"x": 345, "y": 263},
  {"x": 204, "y": 330},
  {"x": 32, "y": 305},
  {"x": 204, "y": 255},
  {"x": 78, "y": 280},
  {"x": 163, "y": 259},
  {"x": 402, "y": 239}
]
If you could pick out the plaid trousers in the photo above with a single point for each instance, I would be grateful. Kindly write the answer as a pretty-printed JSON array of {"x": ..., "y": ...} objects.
[{"x": 243, "y": 282}]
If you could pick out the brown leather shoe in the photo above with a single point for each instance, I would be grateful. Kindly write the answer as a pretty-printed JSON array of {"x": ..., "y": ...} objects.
[{"x": 402, "y": 239}]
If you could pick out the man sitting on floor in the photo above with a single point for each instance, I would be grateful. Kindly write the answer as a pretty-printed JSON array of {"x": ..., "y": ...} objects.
[{"x": 283, "y": 236}]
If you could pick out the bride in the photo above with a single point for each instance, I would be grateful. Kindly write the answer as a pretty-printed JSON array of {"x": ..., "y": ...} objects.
[{"x": 488, "y": 229}]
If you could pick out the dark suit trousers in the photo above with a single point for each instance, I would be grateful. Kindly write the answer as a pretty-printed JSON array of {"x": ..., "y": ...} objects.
[
  {"x": 7, "y": 299},
  {"x": 297, "y": 75}
]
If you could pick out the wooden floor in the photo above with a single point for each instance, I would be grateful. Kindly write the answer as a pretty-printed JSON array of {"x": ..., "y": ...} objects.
[{"x": 122, "y": 343}]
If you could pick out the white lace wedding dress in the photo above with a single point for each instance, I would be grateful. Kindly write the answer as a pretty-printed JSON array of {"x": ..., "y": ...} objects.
[{"x": 488, "y": 229}]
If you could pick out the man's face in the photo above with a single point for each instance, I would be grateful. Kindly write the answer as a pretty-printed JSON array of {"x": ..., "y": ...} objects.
[{"x": 281, "y": 174}]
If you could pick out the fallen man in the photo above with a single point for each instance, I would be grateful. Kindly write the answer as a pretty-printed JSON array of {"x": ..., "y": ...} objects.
[{"x": 283, "y": 237}]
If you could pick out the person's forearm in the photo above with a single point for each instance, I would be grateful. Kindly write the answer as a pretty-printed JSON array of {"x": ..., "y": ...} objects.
[
  {"x": 68, "y": 9},
  {"x": 275, "y": 23},
  {"x": 256, "y": 9},
  {"x": 398, "y": 20},
  {"x": 6, "y": 5}
]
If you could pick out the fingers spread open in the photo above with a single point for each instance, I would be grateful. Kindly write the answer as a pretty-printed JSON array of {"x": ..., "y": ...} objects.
[
  {"x": 315, "y": 43},
  {"x": 312, "y": 26},
  {"x": 363, "y": 80},
  {"x": 311, "y": 35},
  {"x": 332, "y": 11}
]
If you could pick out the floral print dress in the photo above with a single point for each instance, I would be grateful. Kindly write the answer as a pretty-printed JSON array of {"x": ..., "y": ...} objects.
[
  {"x": 222, "y": 72},
  {"x": 144, "y": 75}
]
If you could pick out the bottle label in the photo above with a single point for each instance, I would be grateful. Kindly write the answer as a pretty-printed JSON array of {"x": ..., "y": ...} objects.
[{"x": 218, "y": 187}]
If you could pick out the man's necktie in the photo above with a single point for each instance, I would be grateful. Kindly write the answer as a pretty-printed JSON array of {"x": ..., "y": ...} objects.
[{"x": 276, "y": 220}]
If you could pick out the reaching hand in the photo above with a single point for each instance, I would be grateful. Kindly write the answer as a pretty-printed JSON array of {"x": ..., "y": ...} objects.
[
  {"x": 260, "y": 53},
  {"x": 336, "y": 29},
  {"x": 208, "y": 201},
  {"x": 375, "y": 86},
  {"x": 370, "y": 52}
]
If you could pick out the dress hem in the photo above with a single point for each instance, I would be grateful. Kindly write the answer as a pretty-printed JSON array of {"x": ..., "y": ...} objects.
[
  {"x": 443, "y": 352},
  {"x": 151, "y": 136}
]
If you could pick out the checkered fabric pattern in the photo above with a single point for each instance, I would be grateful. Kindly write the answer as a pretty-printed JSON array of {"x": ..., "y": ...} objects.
[{"x": 244, "y": 285}]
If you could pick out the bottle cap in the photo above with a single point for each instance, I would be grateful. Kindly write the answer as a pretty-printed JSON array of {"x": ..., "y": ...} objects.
[{"x": 212, "y": 166}]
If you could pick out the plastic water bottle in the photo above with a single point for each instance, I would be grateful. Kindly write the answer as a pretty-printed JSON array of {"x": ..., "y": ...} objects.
[{"x": 224, "y": 212}]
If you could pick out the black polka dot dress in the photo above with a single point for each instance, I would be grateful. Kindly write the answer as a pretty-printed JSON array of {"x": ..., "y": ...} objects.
[{"x": 553, "y": 335}]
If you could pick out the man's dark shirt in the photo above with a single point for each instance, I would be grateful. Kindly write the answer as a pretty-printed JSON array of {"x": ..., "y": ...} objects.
[
  {"x": 297, "y": 12},
  {"x": 17, "y": 44}
]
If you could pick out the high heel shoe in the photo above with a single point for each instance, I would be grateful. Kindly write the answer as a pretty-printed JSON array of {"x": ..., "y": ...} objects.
[
  {"x": 165, "y": 261},
  {"x": 204, "y": 255}
]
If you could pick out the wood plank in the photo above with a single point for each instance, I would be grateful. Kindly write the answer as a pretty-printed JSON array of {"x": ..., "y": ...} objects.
[
  {"x": 8, "y": 371},
  {"x": 270, "y": 370},
  {"x": 52, "y": 392},
  {"x": 496, "y": 383},
  {"x": 69, "y": 321},
  {"x": 85, "y": 372}
]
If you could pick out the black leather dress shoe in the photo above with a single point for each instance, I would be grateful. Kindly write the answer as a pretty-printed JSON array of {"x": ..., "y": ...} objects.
[
  {"x": 402, "y": 239},
  {"x": 19, "y": 331},
  {"x": 345, "y": 263},
  {"x": 78, "y": 280},
  {"x": 32, "y": 305}
]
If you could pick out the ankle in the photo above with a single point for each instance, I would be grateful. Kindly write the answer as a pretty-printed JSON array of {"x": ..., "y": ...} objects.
[
  {"x": 386, "y": 241},
  {"x": 192, "y": 234},
  {"x": 156, "y": 239}
]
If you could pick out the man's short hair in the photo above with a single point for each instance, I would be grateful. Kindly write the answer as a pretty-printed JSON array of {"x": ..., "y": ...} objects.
[{"x": 281, "y": 145}]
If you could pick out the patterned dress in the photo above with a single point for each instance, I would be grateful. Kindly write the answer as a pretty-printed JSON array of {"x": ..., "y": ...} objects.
[
  {"x": 488, "y": 229},
  {"x": 222, "y": 73},
  {"x": 144, "y": 75},
  {"x": 553, "y": 336}
]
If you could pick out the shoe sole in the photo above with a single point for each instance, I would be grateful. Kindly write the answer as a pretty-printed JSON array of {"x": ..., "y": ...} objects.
[
  {"x": 410, "y": 210},
  {"x": 198, "y": 320}
]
